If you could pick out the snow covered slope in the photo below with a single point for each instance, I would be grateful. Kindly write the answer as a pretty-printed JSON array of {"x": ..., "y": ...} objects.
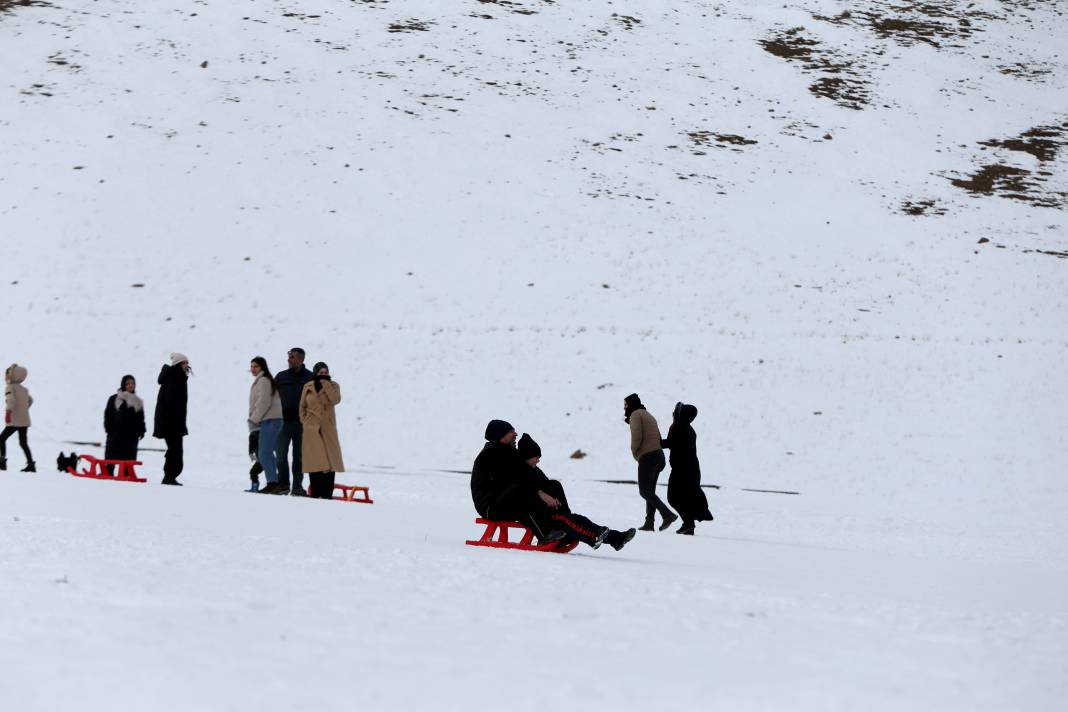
[{"x": 837, "y": 228}]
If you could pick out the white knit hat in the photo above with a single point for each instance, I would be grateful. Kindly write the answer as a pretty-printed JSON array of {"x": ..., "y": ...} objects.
[{"x": 177, "y": 358}]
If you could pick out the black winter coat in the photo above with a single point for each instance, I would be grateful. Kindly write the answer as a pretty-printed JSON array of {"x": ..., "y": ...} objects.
[
  {"x": 124, "y": 427},
  {"x": 290, "y": 383},
  {"x": 497, "y": 468},
  {"x": 172, "y": 402},
  {"x": 684, "y": 482}
]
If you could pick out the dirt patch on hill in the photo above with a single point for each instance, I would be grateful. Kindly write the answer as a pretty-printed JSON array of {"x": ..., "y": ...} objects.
[
  {"x": 711, "y": 139},
  {"x": 839, "y": 77},
  {"x": 1044, "y": 143},
  {"x": 10, "y": 5},
  {"x": 934, "y": 22}
]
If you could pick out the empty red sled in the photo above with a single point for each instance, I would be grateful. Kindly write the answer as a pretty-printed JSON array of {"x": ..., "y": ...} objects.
[
  {"x": 500, "y": 531},
  {"x": 98, "y": 469},
  {"x": 351, "y": 493}
]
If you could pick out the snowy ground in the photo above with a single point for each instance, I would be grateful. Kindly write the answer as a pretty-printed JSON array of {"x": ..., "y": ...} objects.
[{"x": 844, "y": 243}]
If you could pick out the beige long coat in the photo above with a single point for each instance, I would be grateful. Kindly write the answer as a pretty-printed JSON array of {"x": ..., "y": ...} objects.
[
  {"x": 321, "y": 448},
  {"x": 17, "y": 400}
]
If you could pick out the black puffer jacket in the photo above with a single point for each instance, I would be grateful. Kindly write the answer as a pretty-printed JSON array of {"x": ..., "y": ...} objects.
[
  {"x": 172, "y": 402},
  {"x": 290, "y": 383}
]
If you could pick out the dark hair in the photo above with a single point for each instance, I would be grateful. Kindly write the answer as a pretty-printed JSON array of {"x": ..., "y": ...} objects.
[
  {"x": 297, "y": 350},
  {"x": 127, "y": 377},
  {"x": 262, "y": 363}
]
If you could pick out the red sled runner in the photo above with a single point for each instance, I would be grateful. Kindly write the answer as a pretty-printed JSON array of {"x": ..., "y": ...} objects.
[
  {"x": 500, "y": 529},
  {"x": 353, "y": 493},
  {"x": 98, "y": 469}
]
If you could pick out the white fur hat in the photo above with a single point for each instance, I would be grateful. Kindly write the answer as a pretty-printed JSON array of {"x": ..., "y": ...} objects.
[{"x": 177, "y": 358}]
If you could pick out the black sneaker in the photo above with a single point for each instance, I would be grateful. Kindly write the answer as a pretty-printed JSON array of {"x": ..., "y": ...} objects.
[
  {"x": 601, "y": 537},
  {"x": 687, "y": 529},
  {"x": 31, "y": 467},
  {"x": 668, "y": 521},
  {"x": 166, "y": 481},
  {"x": 617, "y": 540}
]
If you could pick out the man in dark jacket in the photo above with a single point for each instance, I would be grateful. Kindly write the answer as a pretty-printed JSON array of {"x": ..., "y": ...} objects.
[
  {"x": 506, "y": 485},
  {"x": 290, "y": 383},
  {"x": 170, "y": 414}
]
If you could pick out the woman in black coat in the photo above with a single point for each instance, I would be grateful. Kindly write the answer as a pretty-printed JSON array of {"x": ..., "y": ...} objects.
[
  {"x": 124, "y": 422},
  {"x": 684, "y": 483}
]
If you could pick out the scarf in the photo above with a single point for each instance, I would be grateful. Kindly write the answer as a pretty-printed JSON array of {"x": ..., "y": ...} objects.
[{"x": 130, "y": 400}]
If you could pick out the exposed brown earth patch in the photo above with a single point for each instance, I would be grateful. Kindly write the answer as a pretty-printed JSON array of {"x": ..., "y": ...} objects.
[
  {"x": 922, "y": 207},
  {"x": 841, "y": 79},
  {"x": 1012, "y": 182},
  {"x": 710, "y": 139},
  {"x": 1042, "y": 142},
  {"x": 934, "y": 22},
  {"x": 10, "y": 5},
  {"x": 411, "y": 26}
]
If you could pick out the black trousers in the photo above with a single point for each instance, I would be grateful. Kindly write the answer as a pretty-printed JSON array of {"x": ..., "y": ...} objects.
[
  {"x": 521, "y": 504},
  {"x": 253, "y": 453},
  {"x": 650, "y": 465},
  {"x": 321, "y": 485},
  {"x": 173, "y": 461},
  {"x": 24, "y": 441}
]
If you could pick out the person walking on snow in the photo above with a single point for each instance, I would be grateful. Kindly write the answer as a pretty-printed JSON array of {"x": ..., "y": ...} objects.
[
  {"x": 17, "y": 402},
  {"x": 264, "y": 423},
  {"x": 646, "y": 449},
  {"x": 507, "y": 487},
  {"x": 124, "y": 422},
  {"x": 684, "y": 483},
  {"x": 322, "y": 449},
  {"x": 171, "y": 406},
  {"x": 290, "y": 384}
]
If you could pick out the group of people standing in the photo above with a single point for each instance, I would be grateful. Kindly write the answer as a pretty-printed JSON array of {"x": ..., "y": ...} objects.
[{"x": 293, "y": 410}]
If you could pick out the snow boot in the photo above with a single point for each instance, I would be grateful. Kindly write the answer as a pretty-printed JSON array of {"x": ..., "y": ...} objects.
[
  {"x": 601, "y": 536},
  {"x": 687, "y": 528},
  {"x": 30, "y": 467},
  {"x": 668, "y": 521},
  {"x": 171, "y": 481},
  {"x": 617, "y": 540},
  {"x": 3, "y": 463},
  {"x": 254, "y": 487},
  {"x": 647, "y": 527}
]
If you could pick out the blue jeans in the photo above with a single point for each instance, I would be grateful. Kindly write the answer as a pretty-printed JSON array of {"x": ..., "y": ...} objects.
[
  {"x": 269, "y": 430},
  {"x": 290, "y": 433}
]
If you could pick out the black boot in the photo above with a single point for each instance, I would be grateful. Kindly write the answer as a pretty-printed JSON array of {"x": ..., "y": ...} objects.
[
  {"x": 647, "y": 527},
  {"x": 617, "y": 540},
  {"x": 31, "y": 466},
  {"x": 3, "y": 463},
  {"x": 668, "y": 521},
  {"x": 687, "y": 528}
]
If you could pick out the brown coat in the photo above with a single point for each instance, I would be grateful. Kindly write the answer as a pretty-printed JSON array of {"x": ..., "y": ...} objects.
[
  {"x": 644, "y": 433},
  {"x": 322, "y": 450},
  {"x": 17, "y": 400}
]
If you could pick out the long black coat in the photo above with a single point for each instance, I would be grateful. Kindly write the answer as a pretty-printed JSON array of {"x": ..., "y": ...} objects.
[
  {"x": 124, "y": 427},
  {"x": 171, "y": 404},
  {"x": 684, "y": 483}
]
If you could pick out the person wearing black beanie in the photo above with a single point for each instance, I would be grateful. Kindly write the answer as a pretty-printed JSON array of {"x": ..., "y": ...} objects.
[
  {"x": 507, "y": 485},
  {"x": 645, "y": 447}
]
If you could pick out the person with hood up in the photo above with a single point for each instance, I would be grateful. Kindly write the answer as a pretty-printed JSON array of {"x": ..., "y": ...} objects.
[
  {"x": 646, "y": 448},
  {"x": 321, "y": 456},
  {"x": 507, "y": 485},
  {"x": 17, "y": 402},
  {"x": 124, "y": 422},
  {"x": 264, "y": 424},
  {"x": 171, "y": 406},
  {"x": 684, "y": 482}
]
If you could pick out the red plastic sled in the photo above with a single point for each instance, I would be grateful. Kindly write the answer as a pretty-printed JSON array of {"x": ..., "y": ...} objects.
[
  {"x": 500, "y": 529},
  {"x": 98, "y": 469},
  {"x": 352, "y": 493}
]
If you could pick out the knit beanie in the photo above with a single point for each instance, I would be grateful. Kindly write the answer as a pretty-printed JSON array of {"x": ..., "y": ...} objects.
[
  {"x": 528, "y": 448},
  {"x": 497, "y": 429},
  {"x": 177, "y": 358}
]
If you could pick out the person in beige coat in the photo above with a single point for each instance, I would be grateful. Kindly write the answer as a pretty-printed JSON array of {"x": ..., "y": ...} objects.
[
  {"x": 646, "y": 448},
  {"x": 17, "y": 402},
  {"x": 320, "y": 445},
  {"x": 264, "y": 424}
]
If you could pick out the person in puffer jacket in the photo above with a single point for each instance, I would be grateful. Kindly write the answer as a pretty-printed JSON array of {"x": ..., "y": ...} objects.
[{"x": 17, "y": 402}]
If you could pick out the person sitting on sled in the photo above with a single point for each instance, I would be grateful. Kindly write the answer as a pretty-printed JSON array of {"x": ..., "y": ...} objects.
[{"x": 507, "y": 485}]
